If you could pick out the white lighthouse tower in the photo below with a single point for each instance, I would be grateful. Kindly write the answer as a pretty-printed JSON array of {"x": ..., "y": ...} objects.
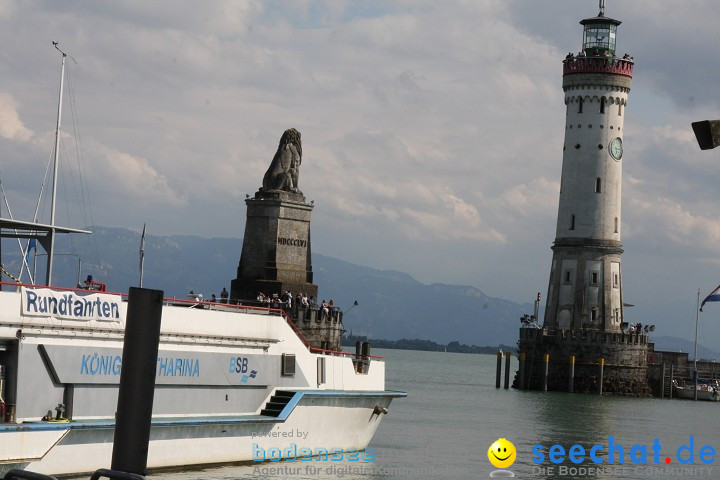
[
  {"x": 585, "y": 291},
  {"x": 582, "y": 346}
]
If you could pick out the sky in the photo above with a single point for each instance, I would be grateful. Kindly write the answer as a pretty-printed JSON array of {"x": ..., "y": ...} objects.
[{"x": 432, "y": 131}]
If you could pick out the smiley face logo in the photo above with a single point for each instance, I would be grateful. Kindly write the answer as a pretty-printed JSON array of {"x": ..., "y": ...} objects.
[{"x": 502, "y": 453}]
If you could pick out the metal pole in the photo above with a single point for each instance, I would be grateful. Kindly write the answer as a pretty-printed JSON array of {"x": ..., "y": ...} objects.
[
  {"x": 48, "y": 278},
  {"x": 546, "y": 361},
  {"x": 697, "y": 317},
  {"x": 499, "y": 368},
  {"x": 507, "y": 369},
  {"x": 137, "y": 380},
  {"x": 142, "y": 255},
  {"x": 672, "y": 368},
  {"x": 571, "y": 379},
  {"x": 662, "y": 382},
  {"x": 602, "y": 367},
  {"x": 521, "y": 371}
]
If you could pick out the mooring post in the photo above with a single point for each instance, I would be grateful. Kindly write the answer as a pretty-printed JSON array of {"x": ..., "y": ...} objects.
[
  {"x": 546, "y": 369},
  {"x": 137, "y": 381},
  {"x": 571, "y": 377},
  {"x": 602, "y": 368},
  {"x": 507, "y": 369},
  {"x": 499, "y": 368},
  {"x": 521, "y": 371}
]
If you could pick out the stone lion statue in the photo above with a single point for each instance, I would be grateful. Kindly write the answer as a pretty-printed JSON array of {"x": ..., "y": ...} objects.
[{"x": 284, "y": 170}]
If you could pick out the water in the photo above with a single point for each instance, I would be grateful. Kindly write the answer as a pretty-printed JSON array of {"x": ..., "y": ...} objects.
[{"x": 453, "y": 413}]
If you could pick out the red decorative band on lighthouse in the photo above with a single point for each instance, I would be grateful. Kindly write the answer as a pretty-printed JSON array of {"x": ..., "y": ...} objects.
[{"x": 616, "y": 66}]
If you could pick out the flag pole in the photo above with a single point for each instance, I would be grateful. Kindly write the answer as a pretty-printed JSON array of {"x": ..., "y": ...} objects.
[
  {"x": 697, "y": 317},
  {"x": 142, "y": 255}
]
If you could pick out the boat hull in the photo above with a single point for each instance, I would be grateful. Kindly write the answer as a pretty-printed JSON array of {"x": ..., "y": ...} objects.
[
  {"x": 321, "y": 423},
  {"x": 688, "y": 392}
]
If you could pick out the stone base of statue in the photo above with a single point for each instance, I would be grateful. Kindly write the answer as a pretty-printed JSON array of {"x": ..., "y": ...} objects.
[{"x": 276, "y": 254}]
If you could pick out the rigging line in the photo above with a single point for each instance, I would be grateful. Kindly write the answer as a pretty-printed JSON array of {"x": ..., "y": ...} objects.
[
  {"x": 73, "y": 112},
  {"x": 82, "y": 170},
  {"x": 69, "y": 193},
  {"x": 73, "y": 247},
  {"x": 23, "y": 260}
]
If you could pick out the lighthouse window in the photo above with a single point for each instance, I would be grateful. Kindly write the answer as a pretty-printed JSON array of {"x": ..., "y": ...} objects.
[
  {"x": 616, "y": 280},
  {"x": 580, "y": 102},
  {"x": 572, "y": 222},
  {"x": 616, "y": 225},
  {"x": 568, "y": 276},
  {"x": 598, "y": 185},
  {"x": 602, "y": 105},
  {"x": 594, "y": 278},
  {"x": 593, "y": 314},
  {"x": 619, "y": 109}
]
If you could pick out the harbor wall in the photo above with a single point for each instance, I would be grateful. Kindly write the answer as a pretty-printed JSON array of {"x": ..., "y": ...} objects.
[
  {"x": 632, "y": 366},
  {"x": 617, "y": 361}
]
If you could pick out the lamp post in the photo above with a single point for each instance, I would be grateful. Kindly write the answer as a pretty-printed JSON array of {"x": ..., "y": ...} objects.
[
  {"x": 707, "y": 133},
  {"x": 353, "y": 306}
]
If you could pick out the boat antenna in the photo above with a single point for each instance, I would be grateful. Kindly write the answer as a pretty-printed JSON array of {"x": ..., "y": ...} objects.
[{"x": 55, "y": 44}]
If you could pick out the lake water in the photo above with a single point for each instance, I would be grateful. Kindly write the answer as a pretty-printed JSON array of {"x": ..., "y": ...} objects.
[{"x": 453, "y": 413}]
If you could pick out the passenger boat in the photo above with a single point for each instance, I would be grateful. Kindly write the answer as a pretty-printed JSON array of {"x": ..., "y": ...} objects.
[{"x": 234, "y": 383}]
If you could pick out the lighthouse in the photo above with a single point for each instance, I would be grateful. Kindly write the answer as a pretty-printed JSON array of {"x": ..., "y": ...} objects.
[
  {"x": 585, "y": 341},
  {"x": 585, "y": 289}
]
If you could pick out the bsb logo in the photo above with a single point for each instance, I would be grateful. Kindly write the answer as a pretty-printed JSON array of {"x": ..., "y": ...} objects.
[{"x": 240, "y": 365}]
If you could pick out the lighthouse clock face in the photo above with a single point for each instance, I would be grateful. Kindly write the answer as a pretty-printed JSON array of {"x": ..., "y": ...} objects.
[{"x": 616, "y": 149}]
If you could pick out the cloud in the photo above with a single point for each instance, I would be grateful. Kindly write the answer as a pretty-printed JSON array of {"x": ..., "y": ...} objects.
[
  {"x": 136, "y": 180},
  {"x": 11, "y": 126},
  {"x": 433, "y": 124},
  {"x": 538, "y": 197}
]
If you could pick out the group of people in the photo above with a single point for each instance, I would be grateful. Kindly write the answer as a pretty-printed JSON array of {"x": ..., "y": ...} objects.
[
  {"x": 223, "y": 296},
  {"x": 300, "y": 300},
  {"x": 596, "y": 53},
  {"x": 286, "y": 299},
  {"x": 636, "y": 327}
]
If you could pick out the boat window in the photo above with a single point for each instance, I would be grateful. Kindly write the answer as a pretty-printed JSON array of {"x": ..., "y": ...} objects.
[{"x": 288, "y": 365}]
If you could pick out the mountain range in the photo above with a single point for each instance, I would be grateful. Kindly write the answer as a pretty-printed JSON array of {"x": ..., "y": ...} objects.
[{"x": 390, "y": 304}]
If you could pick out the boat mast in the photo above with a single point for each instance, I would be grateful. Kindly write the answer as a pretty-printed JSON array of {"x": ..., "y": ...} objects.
[
  {"x": 51, "y": 233},
  {"x": 697, "y": 317}
]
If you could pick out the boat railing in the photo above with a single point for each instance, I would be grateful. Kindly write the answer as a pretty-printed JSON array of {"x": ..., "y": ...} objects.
[
  {"x": 348, "y": 354},
  {"x": 217, "y": 306}
]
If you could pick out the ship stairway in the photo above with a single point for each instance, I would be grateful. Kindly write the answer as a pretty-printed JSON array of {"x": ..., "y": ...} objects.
[{"x": 277, "y": 403}]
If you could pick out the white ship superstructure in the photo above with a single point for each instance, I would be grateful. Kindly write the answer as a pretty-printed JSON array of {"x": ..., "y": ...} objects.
[{"x": 229, "y": 379}]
